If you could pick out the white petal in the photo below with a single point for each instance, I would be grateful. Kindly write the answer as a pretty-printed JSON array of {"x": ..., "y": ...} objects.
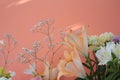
[
  {"x": 12, "y": 73},
  {"x": 28, "y": 71},
  {"x": 32, "y": 67}
]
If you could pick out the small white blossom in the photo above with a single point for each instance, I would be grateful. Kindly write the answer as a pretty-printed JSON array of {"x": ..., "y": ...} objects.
[
  {"x": 2, "y": 42},
  {"x": 37, "y": 44},
  {"x": 31, "y": 69},
  {"x": 12, "y": 73},
  {"x": 116, "y": 50},
  {"x": 31, "y": 52},
  {"x": 104, "y": 54},
  {"x": 25, "y": 49},
  {"x": 3, "y": 78}
]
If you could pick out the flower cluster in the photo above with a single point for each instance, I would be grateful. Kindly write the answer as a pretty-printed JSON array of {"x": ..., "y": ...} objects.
[
  {"x": 96, "y": 41},
  {"x": 101, "y": 54},
  {"x": 32, "y": 56},
  {"x": 95, "y": 57},
  {"x": 7, "y": 45}
]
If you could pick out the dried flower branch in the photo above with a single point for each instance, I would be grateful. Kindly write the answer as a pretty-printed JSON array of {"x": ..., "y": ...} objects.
[
  {"x": 46, "y": 28},
  {"x": 7, "y": 45}
]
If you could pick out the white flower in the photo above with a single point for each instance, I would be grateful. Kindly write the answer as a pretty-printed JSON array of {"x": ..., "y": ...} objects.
[
  {"x": 31, "y": 51},
  {"x": 37, "y": 44},
  {"x": 2, "y": 42},
  {"x": 104, "y": 54},
  {"x": 12, "y": 73},
  {"x": 31, "y": 69},
  {"x": 3, "y": 78},
  {"x": 25, "y": 49},
  {"x": 28, "y": 51},
  {"x": 116, "y": 50}
]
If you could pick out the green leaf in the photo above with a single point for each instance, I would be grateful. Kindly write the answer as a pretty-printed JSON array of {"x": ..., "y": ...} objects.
[
  {"x": 113, "y": 76},
  {"x": 2, "y": 71},
  {"x": 113, "y": 55},
  {"x": 86, "y": 65},
  {"x": 80, "y": 79}
]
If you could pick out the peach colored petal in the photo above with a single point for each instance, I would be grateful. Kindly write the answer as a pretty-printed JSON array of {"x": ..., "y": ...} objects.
[
  {"x": 54, "y": 74},
  {"x": 80, "y": 42},
  {"x": 73, "y": 67},
  {"x": 67, "y": 56}
]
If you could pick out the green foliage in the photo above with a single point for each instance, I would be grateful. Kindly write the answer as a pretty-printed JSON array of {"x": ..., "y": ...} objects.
[
  {"x": 113, "y": 70},
  {"x": 80, "y": 79},
  {"x": 3, "y": 73}
]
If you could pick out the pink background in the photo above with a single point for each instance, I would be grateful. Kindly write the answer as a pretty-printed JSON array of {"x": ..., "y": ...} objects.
[{"x": 18, "y": 16}]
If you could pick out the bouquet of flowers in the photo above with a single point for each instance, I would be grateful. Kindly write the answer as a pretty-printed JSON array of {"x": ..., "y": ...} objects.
[
  {"x": 7, "y": 45},
  {"x": 101, "y": 56},
  {"x": 32, "y": 57},
  {"x": 94, "y": 57}
]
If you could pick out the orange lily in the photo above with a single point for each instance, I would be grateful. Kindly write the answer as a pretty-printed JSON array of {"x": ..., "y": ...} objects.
[
  {"x": 71, "y": 65},
  {"x": 80, "y": 42}
]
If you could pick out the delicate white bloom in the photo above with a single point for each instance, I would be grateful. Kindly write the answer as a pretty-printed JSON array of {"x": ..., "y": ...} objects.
[
  {"x": 116, "y": 50},
  {"x": 31, "y": 52},
  {"x": 104, "y": 54},
  {"x": 37, "y": 44},
  {"x": 31, "y": 69},
  {"x": 2, "y": 42},
  {"x": 12, "y": 73},
  {"x": 3, "y": 78},
  {"x": 25, "y": 49},
  {"x": 39, "y": 24}
]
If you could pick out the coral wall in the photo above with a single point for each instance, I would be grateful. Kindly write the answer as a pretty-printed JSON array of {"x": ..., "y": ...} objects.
[{"x": 18, "y": 16}]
